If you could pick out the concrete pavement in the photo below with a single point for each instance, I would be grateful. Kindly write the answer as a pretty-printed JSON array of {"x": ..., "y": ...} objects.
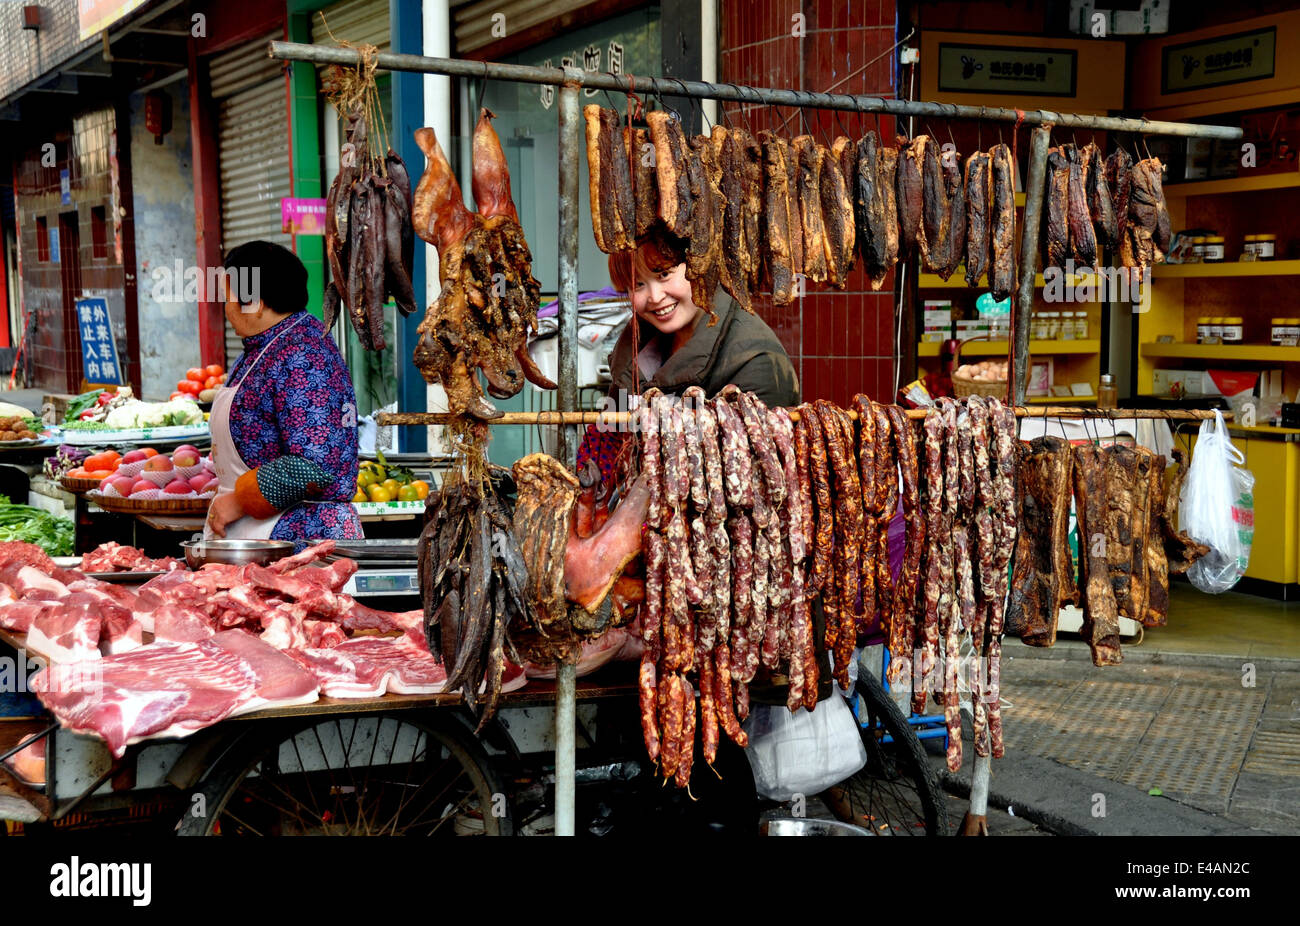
[{"x": 1216, "y": 738}]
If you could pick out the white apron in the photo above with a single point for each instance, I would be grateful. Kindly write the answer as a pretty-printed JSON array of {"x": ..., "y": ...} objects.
[{"x": 227, "y": 462}]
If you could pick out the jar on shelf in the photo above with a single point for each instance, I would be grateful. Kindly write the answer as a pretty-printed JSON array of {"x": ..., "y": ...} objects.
[
  {"x": 1107, "y": 393},
  {"x": 1285, "y": 332},
  {"x": 1197, "y": 252},
  {"x": 1262, "y": 247},
  {"x": 1053, "y": 326},
  {"x": 1081, "y": 326},
  {"x": 1038, "y": 326},
  {"x": 1214, "y": 250},
  {"x": 1216, "y": 329},
  {"x": 1203, "y": 329},
  {"x": 1233, "y": 329}
]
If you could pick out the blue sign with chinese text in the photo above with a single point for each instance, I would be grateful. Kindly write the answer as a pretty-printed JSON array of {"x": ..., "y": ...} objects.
[{"x": 98, "y": 349}]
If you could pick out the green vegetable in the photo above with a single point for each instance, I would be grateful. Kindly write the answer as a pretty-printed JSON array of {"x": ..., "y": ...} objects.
[
  {"x": 80, "y": 404},
  {"x": 88, "y": 426},
  {"x": 27, "y": 524}
]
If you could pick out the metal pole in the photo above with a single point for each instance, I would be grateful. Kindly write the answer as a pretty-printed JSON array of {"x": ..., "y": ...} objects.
[
  {"x": 775, "y": 97},
  {"x": 1029, "y": 226},
  {"x": 572, "y": 146},
  {"x": 566, "y": 673}
]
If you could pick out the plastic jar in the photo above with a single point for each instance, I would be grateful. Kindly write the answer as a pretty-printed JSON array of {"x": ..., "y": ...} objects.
[
  {"x": 1216, "y": 329},
  {"x": 1265, "y": 246},
  {"x": 1233, "y": 330},
  {"x": 1053, "y": 325},
  {"x": 1214, "y": 250},
  {"x": 1203, "y": 329},
  {"x": 1080, "y": 326},
  {"x": 1038, "y": 326},
  {"x": 1286, "y": 332},
  {"x": 1197, "y": 253}
]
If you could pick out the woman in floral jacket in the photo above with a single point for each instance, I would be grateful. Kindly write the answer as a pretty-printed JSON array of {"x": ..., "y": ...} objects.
[{"x": 284, "y": 426}]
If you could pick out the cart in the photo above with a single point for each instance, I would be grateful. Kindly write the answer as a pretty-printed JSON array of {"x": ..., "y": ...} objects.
[{"x": 412, "y": 765}]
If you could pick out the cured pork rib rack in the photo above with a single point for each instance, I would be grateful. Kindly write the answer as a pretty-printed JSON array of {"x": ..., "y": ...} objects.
[{"x": 571, "y": 82}]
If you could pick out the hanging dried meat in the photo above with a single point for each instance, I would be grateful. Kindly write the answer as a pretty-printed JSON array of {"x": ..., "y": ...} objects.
[
  {"x": 1056, "y": 203},
  {"x": 1044, "y": 576},
  {"x": 1083, "y": 240},
  {"x": 782, "y": 224},
  {"x": 369, "y": 242},
  {"x": 1147, "y": 233},
  {"x": 910, "y": 187},
  {"x": 875, "y": 207},
  {"x": 1002, "y": 265},
  {"x": 979, "y": 206},
  {"x": 489, "y": 297},
  {"x": 1100, "y": 206},
  {"x": 837, "y": 216}
]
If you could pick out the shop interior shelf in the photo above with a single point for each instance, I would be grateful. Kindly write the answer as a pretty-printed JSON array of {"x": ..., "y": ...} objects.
[
  {"x": 1265, "y": 352},
  {"x": 1059, "y": 399},
  {"x": 1249, "y": 268},
  {"x": 1282, "y": 181},
  {"x": 958, "y": 281},
  {"x": 999, "y": 348}
]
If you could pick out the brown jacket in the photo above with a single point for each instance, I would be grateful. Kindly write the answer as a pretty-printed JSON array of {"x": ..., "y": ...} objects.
[{"x": 739, "y": 349}]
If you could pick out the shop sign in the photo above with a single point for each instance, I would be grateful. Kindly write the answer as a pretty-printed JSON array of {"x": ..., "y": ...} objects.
[
  {"x": 1227, "y": 59},
  {"x": 302, "y": 216},
  {"x": 65, "y": 187},
  {"x": 1007, "y": 69},
  {"x": 54, "y": 244},
  {"x": 98, "y": 350},
  {"x": 94, "y": 16}
]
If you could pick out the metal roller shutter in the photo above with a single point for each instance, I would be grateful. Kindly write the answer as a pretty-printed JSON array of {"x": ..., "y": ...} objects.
[
  {"x": 361, "y": 22},
  {"x": 472, "y": 22},
  {"x": 253, "y": 150}
]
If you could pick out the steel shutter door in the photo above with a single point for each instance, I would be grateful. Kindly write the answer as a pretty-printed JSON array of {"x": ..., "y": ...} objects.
[
  {"x": 253, "y": 150},
  {"x": 361, "y": 22}
]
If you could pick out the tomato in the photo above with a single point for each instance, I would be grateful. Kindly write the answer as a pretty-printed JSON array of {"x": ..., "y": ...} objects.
[
  {"x": 210, "y": 383},
  {"x": 380, "y": 494},
  {"x": 360, "y": 497},
  {"x": 100, "y": 474},
  {"x": 421, "y": 487},
  {"x": 408, "y": 494},
  {"x": 195, "y": 375},
  {"x": 214, "y": 369},
  {"x": 190, "y": 387},
  {"x": 176, "y": 395},
  {"x": 222, "y": 379}
]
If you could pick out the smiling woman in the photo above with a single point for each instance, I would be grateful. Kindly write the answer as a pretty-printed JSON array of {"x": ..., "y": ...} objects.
[{"x": 678, "y": 347}]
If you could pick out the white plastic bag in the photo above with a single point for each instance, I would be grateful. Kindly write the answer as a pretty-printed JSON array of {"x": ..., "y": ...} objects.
[
  {"x": 1217, "y": 508},
  {"x": 805, "y": 752}
]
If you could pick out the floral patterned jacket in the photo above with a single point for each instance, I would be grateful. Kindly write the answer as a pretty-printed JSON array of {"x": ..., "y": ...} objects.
[{"x": 294, "y": 421}]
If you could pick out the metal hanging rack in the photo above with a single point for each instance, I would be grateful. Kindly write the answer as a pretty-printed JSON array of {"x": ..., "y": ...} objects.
[{"x": 571, "y": 81}]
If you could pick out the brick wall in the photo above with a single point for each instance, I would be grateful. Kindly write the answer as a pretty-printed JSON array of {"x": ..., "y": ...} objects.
[
  {"x": 841, "y": 341},
  {"x": 52, "y": 339},
  {"x": 26, "y": 54}
]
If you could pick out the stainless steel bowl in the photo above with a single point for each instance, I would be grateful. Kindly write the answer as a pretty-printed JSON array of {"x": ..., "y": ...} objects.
[
  {"x": 235, "y": 552},
  {"x": 798, "y": 826}
]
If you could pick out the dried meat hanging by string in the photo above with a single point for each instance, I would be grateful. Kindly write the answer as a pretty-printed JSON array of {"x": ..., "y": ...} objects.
[{"x": 369, "y": 242}]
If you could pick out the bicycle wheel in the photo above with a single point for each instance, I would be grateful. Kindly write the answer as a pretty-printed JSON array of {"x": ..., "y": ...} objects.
[
  {"x": 368, "y": 775},
  {"x": 895, "y": 793}
]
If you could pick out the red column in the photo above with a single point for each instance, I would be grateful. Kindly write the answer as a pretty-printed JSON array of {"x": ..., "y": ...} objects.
[
  {"x": 207, "y": 208},
  {"x": 841, "y": 341}
]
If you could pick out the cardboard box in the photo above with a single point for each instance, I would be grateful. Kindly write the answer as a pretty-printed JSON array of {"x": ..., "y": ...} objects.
[{"x": 1190, "y": 382}]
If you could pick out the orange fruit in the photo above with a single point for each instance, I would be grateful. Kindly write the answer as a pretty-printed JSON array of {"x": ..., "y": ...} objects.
[
  {"x": 380, "y": 494},
  {"x": 360, "y": 497},
  {"x": 408, "y": 494},
  {"x": 421, "y": 488}
]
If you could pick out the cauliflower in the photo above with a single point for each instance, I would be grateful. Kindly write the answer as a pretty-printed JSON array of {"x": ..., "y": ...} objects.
[
  {"x": 181, "y": 412},
  {"x": 124, "y": 417}
]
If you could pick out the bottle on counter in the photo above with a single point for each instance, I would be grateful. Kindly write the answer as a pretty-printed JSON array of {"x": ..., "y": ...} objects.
[{"x": 1107, "y": 394}]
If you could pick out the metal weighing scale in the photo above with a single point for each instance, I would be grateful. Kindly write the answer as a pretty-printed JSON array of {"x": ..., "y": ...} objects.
[{"x": 385, "y": 568}]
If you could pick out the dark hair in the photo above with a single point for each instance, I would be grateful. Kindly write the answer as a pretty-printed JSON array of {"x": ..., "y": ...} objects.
[{"x": 270, "y": 272}]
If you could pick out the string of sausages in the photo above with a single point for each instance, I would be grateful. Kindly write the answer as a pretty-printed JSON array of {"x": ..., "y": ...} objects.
[{"x": 758, "y": 517}]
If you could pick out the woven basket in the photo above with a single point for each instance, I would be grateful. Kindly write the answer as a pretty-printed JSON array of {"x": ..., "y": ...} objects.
[
  {"x": 79, "y": 485},
  {"x": 962, "y": 387},
  {"x": 151, "y": 506}
]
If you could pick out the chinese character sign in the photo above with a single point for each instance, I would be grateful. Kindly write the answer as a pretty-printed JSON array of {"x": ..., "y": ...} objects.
[{"x": 98, "y": 350}]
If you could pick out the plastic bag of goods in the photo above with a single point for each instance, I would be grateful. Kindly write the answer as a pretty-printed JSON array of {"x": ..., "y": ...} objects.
[
  {"x": 805, "y": 752},
  {"x": 1217, "y": 508}
]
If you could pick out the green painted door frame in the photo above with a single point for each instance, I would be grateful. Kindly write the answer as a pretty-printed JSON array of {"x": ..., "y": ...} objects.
[{"x": 304, "y": 147}]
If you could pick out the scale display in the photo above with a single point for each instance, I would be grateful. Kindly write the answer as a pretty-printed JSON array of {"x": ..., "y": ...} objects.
[{"x": 385, "y": 583}]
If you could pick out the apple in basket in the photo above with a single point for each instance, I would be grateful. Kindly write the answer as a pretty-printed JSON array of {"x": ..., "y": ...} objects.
[
  {"x": 159, "y": 464},
  {"x": 135, "y": 456},
  {"x": 200, "y": 482},
  {"x": 186, "y": 448},
  {"x": 178, "y": 487},
  {"x": 143, "y": 485},
  {"x": 122, "y": 484}
]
